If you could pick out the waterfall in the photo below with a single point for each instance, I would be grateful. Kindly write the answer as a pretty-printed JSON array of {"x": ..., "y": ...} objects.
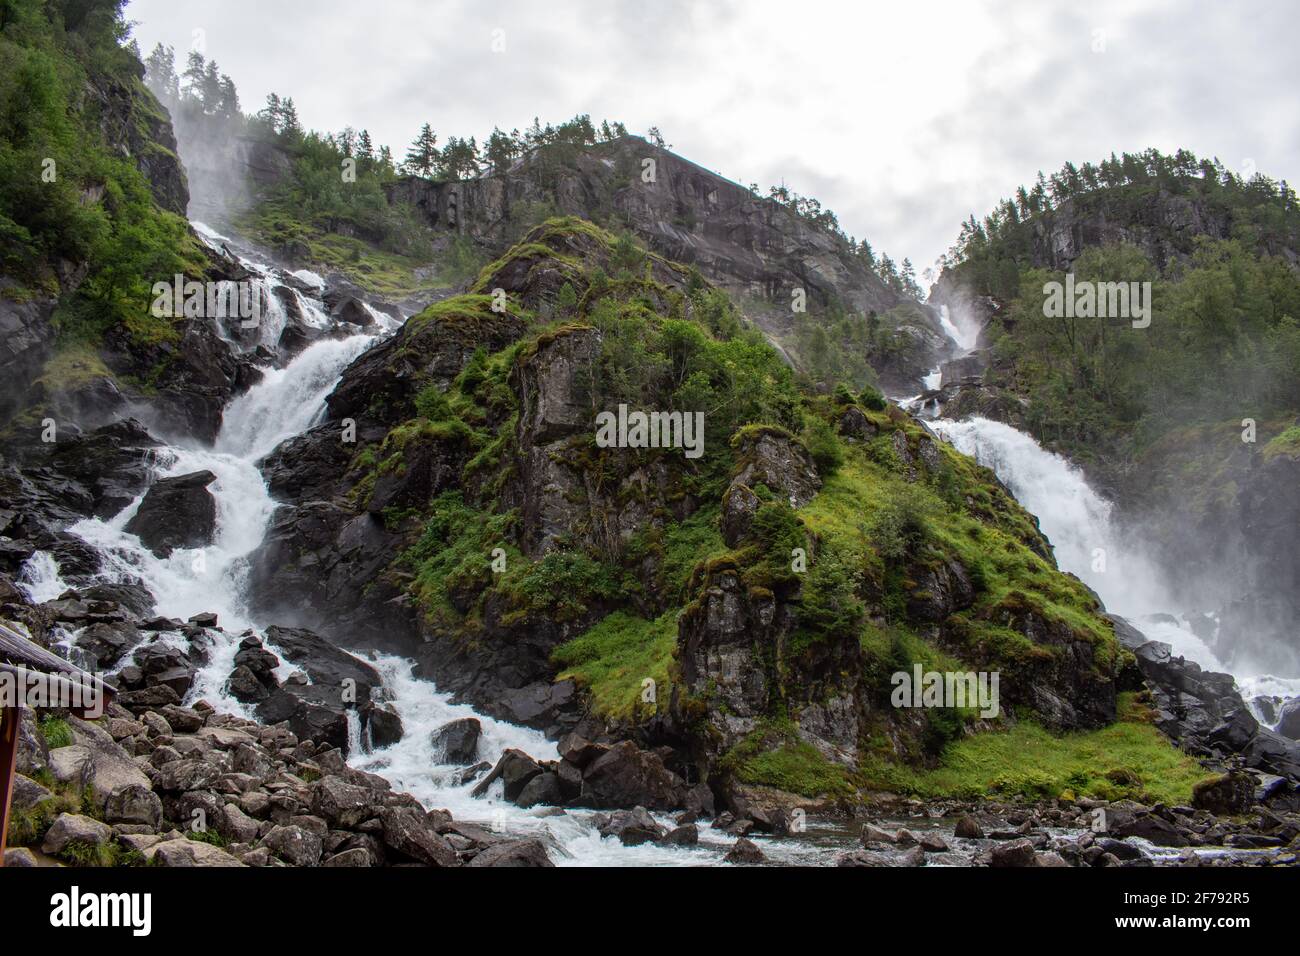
[
  {"x": 964, "y": 339},
  {"x": 40, "y": 578},
  {"x": 286, "y": 402},
  {"x": 192, "y": 580},
  {"x": 1078, "y": 522}
]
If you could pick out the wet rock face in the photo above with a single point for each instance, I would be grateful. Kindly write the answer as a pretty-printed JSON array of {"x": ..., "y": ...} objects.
[
  {"x": 1069, "y": 688},
  {"x": 782, "y": 464},
  {"x": 1203, "y": 712},
  {"x": 966, "y": 370},
  {"x": 723, "y": 643},
  {"x": 176, "y": 512},
  {"x": 554, "y": 408},
  {"x": 1288, "y": 724},
  {"x": 744, "y": 243},
  {"x": 382, "y": 383},
  {"x": 457, "y": 742},
  {"x": 136, "y": 125},
  {"x": 25, "y": 340},
  {"x": 113, "y": 462},
  {"x": 735, "y": 654}
]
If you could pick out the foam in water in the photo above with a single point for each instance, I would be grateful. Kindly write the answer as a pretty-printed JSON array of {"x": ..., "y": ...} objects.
[
  {"x": 309, "y": 277},
  {"x": 964, "y": 334},
  {"x": 411, "y": 765},
  {"x": 283, "y": 404},
  {"x": 39, "y": 578},
  {"x": 190, "y": 581}
]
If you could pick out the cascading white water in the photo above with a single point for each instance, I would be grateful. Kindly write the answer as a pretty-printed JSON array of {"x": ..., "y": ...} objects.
[
  {"x": 40, "y": 578},
  {"x": 965, "y": 335},
  {"x": 192, "y": 580},
  {"x": 411, "y": 765},
  {"x": 283, "y": 404},
  {"x": 1077, "y": 521}
]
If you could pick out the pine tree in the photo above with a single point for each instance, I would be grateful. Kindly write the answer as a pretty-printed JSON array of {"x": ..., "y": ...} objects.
[
  {"x": 211, "y": 88},
  {"x": 422, "y": 158},
  {"x": 500, "y": 150},
  {"x": 347, "y": 141},
  {"x": 193, "y": 76},
  {"x": 160, "y": 74},
  {"x": 273, "y": 112},
  {"x": 228, "y": 100},
  {"x": 289, "y": 125},
  {"x": 460, "y": 159}
]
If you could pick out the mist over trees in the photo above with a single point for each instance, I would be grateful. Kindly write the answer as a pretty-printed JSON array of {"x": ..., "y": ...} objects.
[
  {"x": 202, "y": 94},
  {"x": 1224, "y": 337}
]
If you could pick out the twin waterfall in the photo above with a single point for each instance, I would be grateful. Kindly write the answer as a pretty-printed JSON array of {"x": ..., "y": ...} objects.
[{"x": 289, "y": 400}]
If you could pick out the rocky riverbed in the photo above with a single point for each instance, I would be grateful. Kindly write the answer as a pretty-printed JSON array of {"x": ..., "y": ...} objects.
[{"x": 157, "y": 782}]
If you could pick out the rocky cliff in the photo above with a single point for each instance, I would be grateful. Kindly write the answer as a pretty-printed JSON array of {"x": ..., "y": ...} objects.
[
  {"x": 475, "y": 439},
  {"x": 758, "y": 250}
]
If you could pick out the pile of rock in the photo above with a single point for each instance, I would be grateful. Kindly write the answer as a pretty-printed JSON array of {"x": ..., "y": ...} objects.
[
  {"x": 600, "y": 776},
  {"x": 185, "y": 786},
  {"x": 1096, "y": 833}
]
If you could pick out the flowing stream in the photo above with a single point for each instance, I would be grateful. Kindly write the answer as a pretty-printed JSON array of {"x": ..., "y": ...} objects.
[
  {"x": 1085, "y": 539},
  {"x": 289, "y": 400},
  {"x": 286, "y": 402}
]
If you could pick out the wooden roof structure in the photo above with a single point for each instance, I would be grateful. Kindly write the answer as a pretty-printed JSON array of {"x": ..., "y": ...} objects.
[{"x": 23, "y": 662}]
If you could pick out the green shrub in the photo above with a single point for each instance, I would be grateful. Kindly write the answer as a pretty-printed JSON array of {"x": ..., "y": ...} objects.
[
  {"x": 56, "y": 731},
  {"x": 900, "y": 526},
  {"x": 431, "y": 403},
  {"x": 871, "y": 398},
  {"x": 823, "y": 445}
]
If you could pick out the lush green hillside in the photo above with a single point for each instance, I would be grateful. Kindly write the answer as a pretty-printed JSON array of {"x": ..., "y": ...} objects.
[
  {"x": 1224, "y": 339},
  {"x": 915, "y": 554},
  {"x": 79, "y": 220}
]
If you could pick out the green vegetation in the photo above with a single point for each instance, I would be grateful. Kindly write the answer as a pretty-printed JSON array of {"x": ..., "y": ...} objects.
[
  {"x": 1224, "y": 335},
  {"x": 773, "y": 756},
  {"x": 66, "y": 193},
  {"x": 28, "y": 825},
  {"x": 55, "y": 731},
  {"x": 1128, "y": 759},
  {"x": 888, "y": 531},
  {"x": 210, "y": 837},
  {"x": 613, "y": 658},
  {"x": 896, "y": 512},
  {"x": 1286, "y": 443}
]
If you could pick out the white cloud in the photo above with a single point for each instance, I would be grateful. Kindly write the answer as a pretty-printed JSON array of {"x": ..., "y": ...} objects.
[{"x": 903, "y": 118}]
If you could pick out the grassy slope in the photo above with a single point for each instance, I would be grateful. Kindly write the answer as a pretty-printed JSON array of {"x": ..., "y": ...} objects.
[{"x": 958, "y": 512}]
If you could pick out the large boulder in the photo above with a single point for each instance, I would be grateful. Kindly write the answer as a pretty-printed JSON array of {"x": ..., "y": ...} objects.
[
  {"x": 324, "y": 662},
  {"x": 1288, "y": 723},
  {"x": 113, "y": 462},
  {"x": 514, "y": 769},
  {"x": 72, "y": 828},
  {"x": 95, "y": 761},
  {"x": 457, "y": 742},
  {"x": 406, "y": 831},
  {"x": 314, "y": 712},
  {"x": 1224, "y": 795},
  {"x": 176, "y": 512},
  {"x": 1203, "y": 711},
  {"x": 627, "y": 776},
  {"x": 631, "y": 827},
  {"x": 185, "y": 852},
  {"x": 516, "y": 853}
]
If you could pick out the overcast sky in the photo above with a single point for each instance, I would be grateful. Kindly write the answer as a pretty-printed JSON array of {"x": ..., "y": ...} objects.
[{"x": 902, "y": 117}]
